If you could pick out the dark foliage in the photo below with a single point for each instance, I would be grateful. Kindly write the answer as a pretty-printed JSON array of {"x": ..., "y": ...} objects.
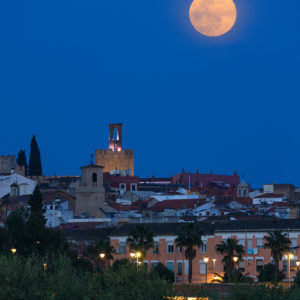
[
  {"x": 267, "y": 274},
  {"x": 22, "y": 161},
  {"x": 35, "y": 164},
  {"x": 164, "y": 273}
]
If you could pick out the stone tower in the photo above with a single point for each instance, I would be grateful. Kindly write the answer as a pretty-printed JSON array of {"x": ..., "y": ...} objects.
[
  {"x": 90, "y": 193},
  {"x": 7, "y": 164},
  {"x": 115, "y": 158},
  {"x": 243, "y": 189}
]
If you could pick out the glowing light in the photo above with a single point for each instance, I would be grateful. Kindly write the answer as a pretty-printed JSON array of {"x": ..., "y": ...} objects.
[
  {"x": 213, "y": 17},
  {"x": 235, "y": 258},
  {"x": 102, "y": 255}
]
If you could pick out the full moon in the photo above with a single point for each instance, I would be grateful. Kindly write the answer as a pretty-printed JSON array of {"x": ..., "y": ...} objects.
[{"x": 213, "y": 17}]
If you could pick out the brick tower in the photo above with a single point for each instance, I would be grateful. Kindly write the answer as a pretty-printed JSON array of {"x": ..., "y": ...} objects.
[{"x": 115, "y": 158}]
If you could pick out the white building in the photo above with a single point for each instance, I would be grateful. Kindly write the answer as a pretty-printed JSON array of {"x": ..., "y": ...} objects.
[
  {"x": 57, "y": 213},
  {"x": 26, "y": 185},
  {"x": 268, "y": 198}
]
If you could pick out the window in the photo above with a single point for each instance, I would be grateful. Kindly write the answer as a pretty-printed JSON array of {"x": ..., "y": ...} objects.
[
  {"x": 259, "y": 265},
  {"x": 154, "y": 263},
  {"x": 249, "y": 242},
  {"x": 259, "y": 243},
  {"x": 133, "y": 187},
  {"x": 122, "y": 247},
  {"x": 170, "y": 266},
  {"x": 179, "y": 248},
  {"x": 123, "y": 186},
  {"x": 94, "y": 178},
  {"x": 203, "y": 247},
  {"x": 155, "y": 248},
  {"x": 285, "y": 264},
  {"x": 170, "y": 248},
  {"x": 202, "y": 268},
  {"x": 146, "y": 264},
  {"x": 179, "y": 268},
  {"x": 242, "y": 242},
  {"x": 242, "y": 266}
]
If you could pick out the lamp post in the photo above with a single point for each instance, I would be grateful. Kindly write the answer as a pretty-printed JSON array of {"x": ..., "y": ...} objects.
[
  {"x": 138, "y": 255},
  {"x": 13, "y": 250},
  {"x": 206, "y": 259},
  {"x": 297, "y": 264},
  {"x": 101, "y": 256},
  {"x": 214, "y": 262},
  {"x": 235, "y": 259},
  {"x": 132, "y": 255},
  {"x": 45, "y": 266},
  {"x": 289, "y": 256}
]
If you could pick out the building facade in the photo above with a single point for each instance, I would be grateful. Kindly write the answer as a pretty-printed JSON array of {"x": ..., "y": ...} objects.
[
  {"x": 90, "y": 194},
  {"x": 249, "y": 233}
]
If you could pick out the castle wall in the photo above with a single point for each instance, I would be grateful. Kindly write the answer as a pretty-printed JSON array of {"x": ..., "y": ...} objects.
[{"x": 112, "y": 160}]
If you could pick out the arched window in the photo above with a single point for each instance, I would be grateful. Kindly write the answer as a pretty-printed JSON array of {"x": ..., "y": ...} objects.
[
  {"x": 116, "y": 135},
  {"x": 94, "y": 178}
]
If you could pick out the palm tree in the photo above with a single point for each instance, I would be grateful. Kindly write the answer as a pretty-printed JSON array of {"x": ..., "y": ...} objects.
[
  {"x": 190, "y": 238},
  {"x": 235, "y": 276},
  {"x": 230, "y": 248},
  {"x": 102, "y": 246},
  {"x": 278, "y": 242},
  {"x": 140, "y": 239}
]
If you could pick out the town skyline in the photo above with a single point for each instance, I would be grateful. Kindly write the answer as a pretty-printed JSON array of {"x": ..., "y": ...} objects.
[{"x": 50, "y": 170}]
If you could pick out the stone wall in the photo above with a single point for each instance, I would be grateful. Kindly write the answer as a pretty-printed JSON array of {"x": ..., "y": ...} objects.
[
  {"x": 7, "y": 163},
  {"x": 115, "y": 160}
]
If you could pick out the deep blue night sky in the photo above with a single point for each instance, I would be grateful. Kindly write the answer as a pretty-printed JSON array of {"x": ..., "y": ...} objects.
[{"x": 68, "y": 68}]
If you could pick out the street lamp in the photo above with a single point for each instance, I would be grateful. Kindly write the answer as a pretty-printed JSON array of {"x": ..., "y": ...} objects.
[
  {"x": 13, "y": 250},
  {"x": 138, "y": 255},
  {"x": 206, "y": 259},
  {"x": 297, "y": 264},
  {"x": 45, "y": 266},
  {"x": 101, "y": 255},
  {"x": 214, "y": 262},
  {"x": 289, "y": 256}
]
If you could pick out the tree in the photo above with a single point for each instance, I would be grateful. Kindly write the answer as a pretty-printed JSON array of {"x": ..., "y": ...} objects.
[
  {"x": 230, "y": 248},
  {"x": 36, "y": 221},
  {"x": 140, "y": 239},
  {"x": 236, "y": 276},
  {"x": 164, "y": 273},
  {"x": 22, "y": 161},
  {"x": 102, "y": 246},
  {"x": 190, "y": 238},
  {"x": 267, "y": 273},
  {"x": 35, "y": 164},
  {"x": 278, "y": 242}
]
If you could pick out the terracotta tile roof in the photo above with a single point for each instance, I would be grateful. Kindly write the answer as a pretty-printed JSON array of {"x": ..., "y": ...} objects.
[
  {"x": 177, "y": 204},
  {"x": 270, "y": 195},
  {"x": 120, "y": 207}
]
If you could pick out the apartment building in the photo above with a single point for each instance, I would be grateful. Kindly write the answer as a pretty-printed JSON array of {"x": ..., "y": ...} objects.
[{"x": 249, "y": 233}]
